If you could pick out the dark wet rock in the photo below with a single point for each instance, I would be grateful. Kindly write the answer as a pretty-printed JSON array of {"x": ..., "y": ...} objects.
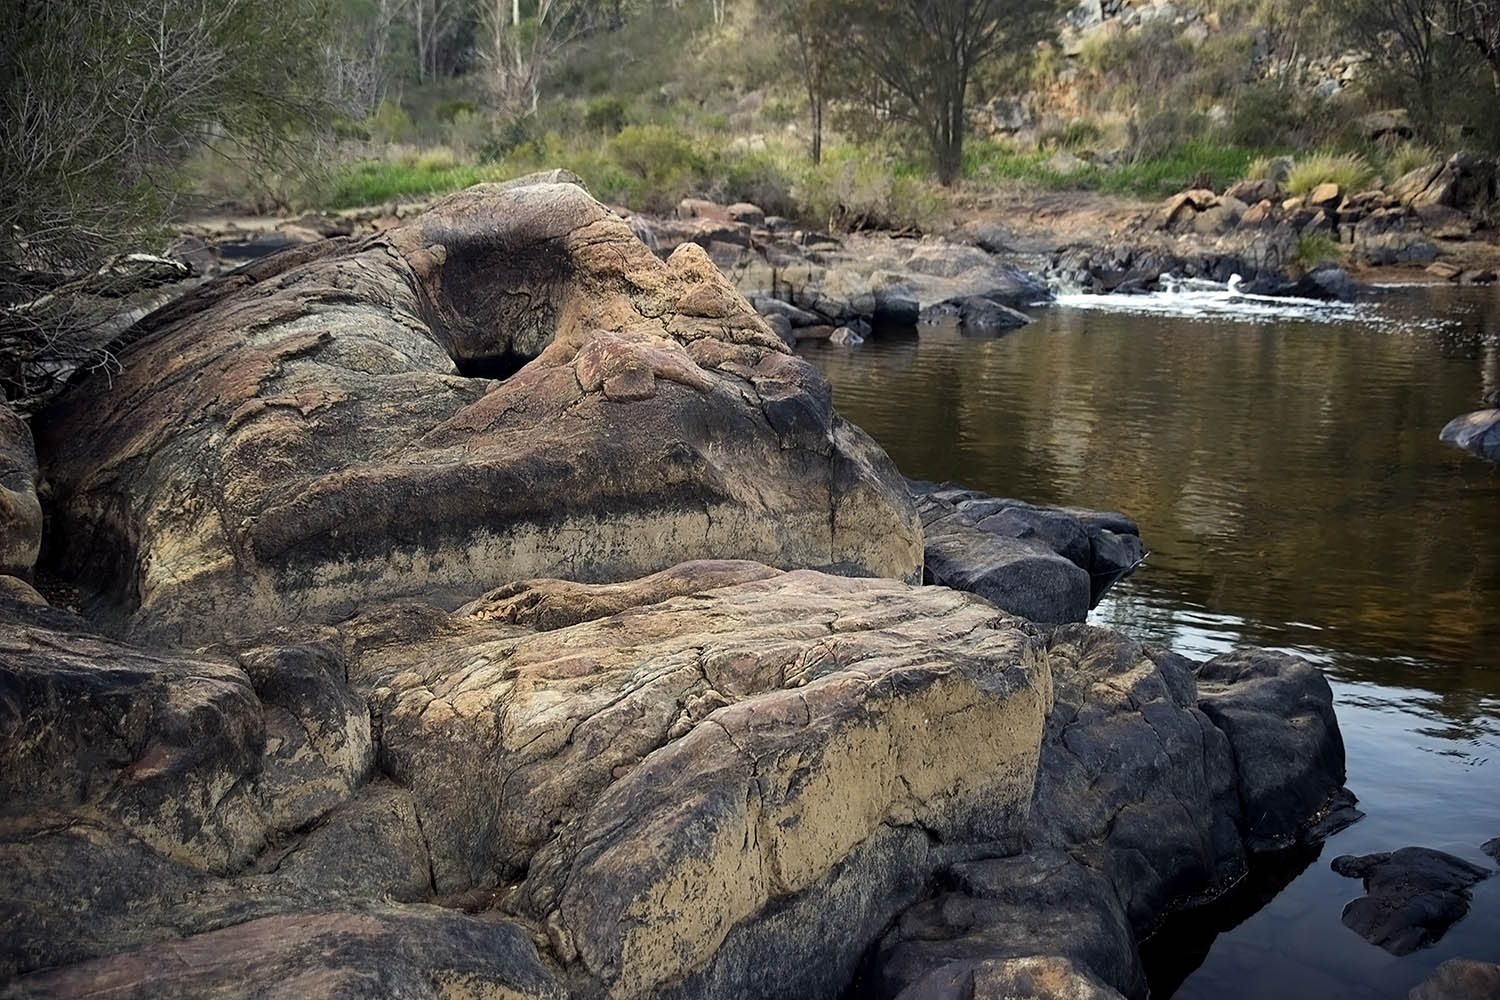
[
  {"x": 1412, "y": 896},
  {"x": 20, "y": 511},
  {"x": 1492, "y": 848},
  {"x": 1043, "y": 903},
  {"x": 1477, "y": 433},
  {"x": 1105, "y": 545},
  {"x": 374, "y": 953},
  {"x": 1277, "y": 711},
  {"x": 1332, "y": 283},
  {"x": 1460, "y": 979},
  {"x": 976, "y": 314},
  {"x": 514, "y": 365}
]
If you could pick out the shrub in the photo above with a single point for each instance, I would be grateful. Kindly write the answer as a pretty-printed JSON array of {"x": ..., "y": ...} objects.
[
  {"x": 1316, "y": 250},
  {"x": 662, "y": 159},
  {"x": 1263, "y": 116},
  {"x": 1349, "y": 171},
  {"x": 391, "y": 123},
  {"x": 606, "y": 115}
]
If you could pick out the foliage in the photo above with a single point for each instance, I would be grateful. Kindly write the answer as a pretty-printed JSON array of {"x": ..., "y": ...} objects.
[
  {"x": 1408, "y": 157},
  {"x": 1316, "y": 250},
  {"x": 1350, "y": 171},
  {"x": 918, "y": 59}
]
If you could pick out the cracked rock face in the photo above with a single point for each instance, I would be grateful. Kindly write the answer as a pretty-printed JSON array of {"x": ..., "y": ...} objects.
[
  {"x": 324, "y": 429},
  {"x": 660, "y": 781}
]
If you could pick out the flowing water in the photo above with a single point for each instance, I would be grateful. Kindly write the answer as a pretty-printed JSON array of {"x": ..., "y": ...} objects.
[{"x": 1283, "y": 463}]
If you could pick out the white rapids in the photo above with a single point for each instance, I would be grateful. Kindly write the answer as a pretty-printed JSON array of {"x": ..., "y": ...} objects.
[{"x": 1199, "y": 298}]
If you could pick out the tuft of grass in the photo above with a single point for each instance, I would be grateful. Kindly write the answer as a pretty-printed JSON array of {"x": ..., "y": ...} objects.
[
  {"x": 1317, "y": 250},
  {"x": 1408, "y": 157},
  {"x": 1349, "y": 171}
]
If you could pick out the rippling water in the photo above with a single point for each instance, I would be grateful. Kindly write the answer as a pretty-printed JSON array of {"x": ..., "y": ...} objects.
[{"x": 1284, "y": 467}]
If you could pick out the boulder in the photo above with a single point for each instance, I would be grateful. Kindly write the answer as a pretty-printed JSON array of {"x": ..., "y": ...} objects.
[
  {"x": 1105, "y": 545},
  {"x": 743, "y": 211},
  {"x": 1324, "y": 197},
  {"x": 1459, "y": 979},
  {"x": 700, "y": 208},
  {"x": 1444, "y": 223},
  {"x": 1329, "y": 283},
  {"x": 1406, "y": 187},
  {"x": 1277, "y": 712},
  {"x": 685, "y": 787},
  {"x": 1254, "y": 192},
  {"x": 1477, "y": 433},
  {"x": 974, "y": 313},
  {"x": 1391, "y": 236},
  {"x": 1412, "y": 896},
  {"x": 20, "y": 510},
  {"x": 1444, "y": 271},
  {"x": 509, "y": 386}
]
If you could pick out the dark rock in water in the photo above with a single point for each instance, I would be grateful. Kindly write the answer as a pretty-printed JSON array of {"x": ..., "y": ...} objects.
[
  {"x": 1277, "y": 711},
  {"x": 975, "y": 313},
  {"x": 1139, "y": 810},
  {"x": 1460, "y": 979},
  {"x": 1413, "y": 896},
  {"x": 366, "y": 954},
  {"x": 1333, "y": 283},
  {"x": 1104, "y": 544},
  {"x": 896, "y": 309},
  {"x": 1477, "y": 433},
  {"x": 1044, "y": 903},
  {"x": 1492, "y": 848}
]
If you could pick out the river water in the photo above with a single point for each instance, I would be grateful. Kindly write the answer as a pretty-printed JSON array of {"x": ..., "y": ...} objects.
[{"x": 1284, "y": 467}]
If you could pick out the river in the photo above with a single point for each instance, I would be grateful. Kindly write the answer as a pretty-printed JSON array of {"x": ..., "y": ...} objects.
[{"x": 1284, "y": 467}]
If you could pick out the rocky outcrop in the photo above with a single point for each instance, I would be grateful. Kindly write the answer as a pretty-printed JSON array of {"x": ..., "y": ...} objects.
[
  {"x": 1142, "y": 805},
  {"x": 1048, "y": 564},
  {"x": 510, "y": 385},
  {"x": 716, "y": 780},
  {"x": 1477, "y": 433},
  {"x": 1412, "y": 896},
  {"x": 20, "y": 511}
]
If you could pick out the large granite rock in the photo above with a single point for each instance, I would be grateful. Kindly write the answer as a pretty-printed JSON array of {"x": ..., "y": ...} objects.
[
  {"x": 1477, "y": 433},
  {"x": 661, "y": 781},
  {"x": 1143, "y": 805},
  {"x": 20, "y": 511},
  {"x": 1049, "y": 564},
  {"x": 1412, "y": 896},
  {"x": 510, "y": 385}
]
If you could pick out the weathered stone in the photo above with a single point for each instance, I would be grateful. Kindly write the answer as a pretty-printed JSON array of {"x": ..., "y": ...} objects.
[
  {"x": 1034, "y": 978},
  {"x": 1459, "y": 979},
  {"x": 1043, "y": 903},
  {"x": 1277, "y": 711},
  {"x": 974, "y": 313},
  {"x": 1329, "y": 283},
  {"x": 1406, "y": 187},
  {"x": 743, "y": 211},
  {"x": 1105, "y": 545},
  {"x": 1254, "y": 192},
  {"x": 1325, "y": 196},
  {"x": 419, "y": 952},
  {"x": 20, "y": 511},
  {"x": 1413, "y": 896},
  {"x": 1477, "y": 433},
  {"x": 355, "y": 446},
  {"x": 1444, "y": 271}
]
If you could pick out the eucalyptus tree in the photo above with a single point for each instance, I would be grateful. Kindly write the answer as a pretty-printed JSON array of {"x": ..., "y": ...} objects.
[{"x": 919, "y": 57}]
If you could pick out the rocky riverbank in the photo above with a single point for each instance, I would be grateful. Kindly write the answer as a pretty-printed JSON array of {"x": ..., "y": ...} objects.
[{"x": 486, "y": 606}]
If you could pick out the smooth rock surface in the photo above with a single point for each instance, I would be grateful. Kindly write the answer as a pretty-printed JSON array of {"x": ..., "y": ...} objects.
[
  {"x": 1412, "y": 896},
  {"x": 1477, "y": 433},
  {"x": 325, "y": 429}
]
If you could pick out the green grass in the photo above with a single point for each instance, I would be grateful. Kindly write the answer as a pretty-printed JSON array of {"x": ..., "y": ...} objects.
[
  {"x": 1349, "y": 171},
  {"x": 1317, "y": 249},
  {"x": 375, "y": 182},
  {"x": 1190, "y": 164}
]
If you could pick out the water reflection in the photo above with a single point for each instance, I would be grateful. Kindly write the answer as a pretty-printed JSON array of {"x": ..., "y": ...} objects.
[{"x": 1288, "y": 480}]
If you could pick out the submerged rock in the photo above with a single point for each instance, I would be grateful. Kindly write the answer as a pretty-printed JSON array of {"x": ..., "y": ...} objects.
[
  {"x": 1460, "y": 979},
  {"x": 1412, "y": 896},
  {"x": 510, "y": 385},
  {"x": 1477, "y": 433}
]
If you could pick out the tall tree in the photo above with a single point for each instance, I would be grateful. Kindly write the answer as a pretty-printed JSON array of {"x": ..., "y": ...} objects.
[
  {"x": 815, "y": 28},
  {"x": 1478, "y": 23},
  {"x": 923, "y": 54}
]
